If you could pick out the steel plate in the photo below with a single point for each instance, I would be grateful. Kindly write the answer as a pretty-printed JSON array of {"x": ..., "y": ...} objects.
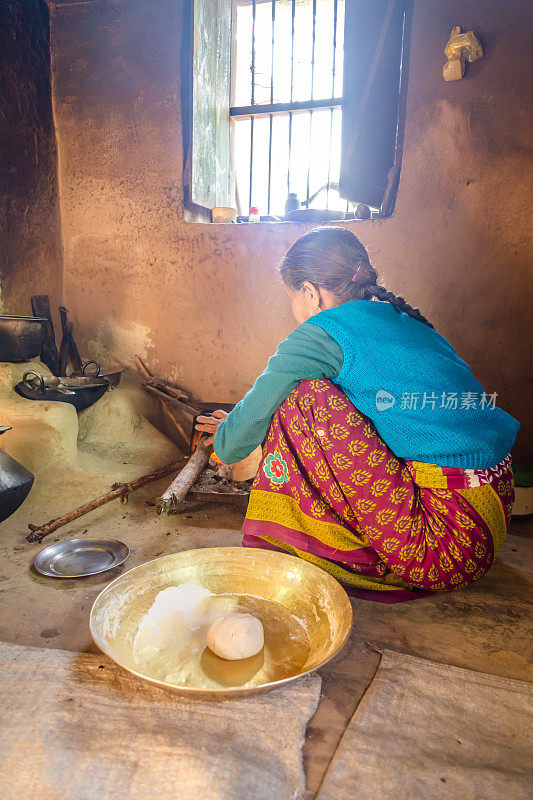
[
  {"x": 77, "y": 558},
  {"x": 306, "y": 615}
]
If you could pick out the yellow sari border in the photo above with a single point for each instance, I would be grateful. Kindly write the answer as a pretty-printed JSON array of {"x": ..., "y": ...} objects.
[
  {"x": 267, "y": 506},
  {"x": 486, "y": 502},
  {"x": 427, "y": 476},
  {"x": 386, "y": 583}
]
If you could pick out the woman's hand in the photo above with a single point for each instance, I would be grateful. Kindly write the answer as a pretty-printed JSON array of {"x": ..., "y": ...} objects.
[{"x": 210, "y": 424}]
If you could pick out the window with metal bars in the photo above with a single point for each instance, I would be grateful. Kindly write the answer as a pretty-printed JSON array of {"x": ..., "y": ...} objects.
[
  {"x": 286, "y": 103},
  {"x": 293, "y": 97}
]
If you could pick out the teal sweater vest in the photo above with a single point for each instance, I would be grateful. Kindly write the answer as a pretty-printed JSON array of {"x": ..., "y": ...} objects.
[{"x": 423, "y": 399}]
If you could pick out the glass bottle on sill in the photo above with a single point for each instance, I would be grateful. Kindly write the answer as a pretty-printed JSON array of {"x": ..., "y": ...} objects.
[
  {"x": 292, "y": 203},
  {"x": 253, "y": 214}
]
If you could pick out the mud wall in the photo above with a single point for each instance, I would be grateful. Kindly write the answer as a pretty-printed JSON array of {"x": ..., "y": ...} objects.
[
  {"x": 30, "y": 236},
  {"x": 201, "y": 301}
]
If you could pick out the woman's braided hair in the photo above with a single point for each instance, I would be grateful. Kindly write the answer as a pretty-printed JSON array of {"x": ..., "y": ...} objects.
[{"x": 331, "y": 257}]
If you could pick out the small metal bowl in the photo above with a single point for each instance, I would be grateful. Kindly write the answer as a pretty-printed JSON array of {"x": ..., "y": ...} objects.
[
  {"x": 305, "y": 612},
  {"x": 77, "y": 558}
]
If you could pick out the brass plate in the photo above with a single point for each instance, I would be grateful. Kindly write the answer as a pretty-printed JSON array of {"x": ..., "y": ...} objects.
[{"x": 306, "y": 614}]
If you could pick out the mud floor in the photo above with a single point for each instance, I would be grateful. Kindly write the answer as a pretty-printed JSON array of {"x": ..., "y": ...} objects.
[{"x": 76, "y": 457}]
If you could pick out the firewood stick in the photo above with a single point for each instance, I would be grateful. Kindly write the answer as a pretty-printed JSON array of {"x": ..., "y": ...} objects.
[
  {"x": 166, "y": 389},
  {"x": 167, "y": 411},
  {"x": 171, "y": 388},
  {"x": 143, "y": 368},
  {"x": 117, "y": 490},
  {"x": 192, "y": 410},
  {"x": 161, "y": 383},
  {"x": 165, "y": 406},
  {"x": 172, "y": 500},
  {"x": 150, "y": 387}
]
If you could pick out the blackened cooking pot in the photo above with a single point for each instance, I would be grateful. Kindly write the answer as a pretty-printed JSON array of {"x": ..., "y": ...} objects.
[
  {"x": 15, "y": 483},
  {"x": 20, "y": 337}
]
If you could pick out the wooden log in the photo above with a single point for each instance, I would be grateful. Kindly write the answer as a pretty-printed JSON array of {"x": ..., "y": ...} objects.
[
  {"x": 172, "y": 500},
  {"x": 171, "y": 391},
  {"x": 141, "y": 366},
  {"x": 167, "y": 410},
  {"x": 171, "y": 416},
  {"x": 189, "y": 409},
  {"x": 118, "y": 490},
  {"x": 160, "y": 383},
  {"x": 154, "y": 390}
]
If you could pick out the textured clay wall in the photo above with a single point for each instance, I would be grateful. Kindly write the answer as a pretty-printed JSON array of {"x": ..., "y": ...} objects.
[
  {"x": 201, "y": 302},
  {"x": 30, "y": 236}
]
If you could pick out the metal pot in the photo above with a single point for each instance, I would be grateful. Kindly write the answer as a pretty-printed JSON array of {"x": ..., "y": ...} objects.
[
  {"x": 20, "y": 337},
  {"x": 15, "y": 483},
  {"x": 315, "y": 215}
]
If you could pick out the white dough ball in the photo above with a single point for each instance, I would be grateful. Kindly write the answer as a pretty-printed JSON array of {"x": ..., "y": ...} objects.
[{"x": 236, "y": 636}]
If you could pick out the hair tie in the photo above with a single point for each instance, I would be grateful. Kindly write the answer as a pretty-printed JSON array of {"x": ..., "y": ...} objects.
[{"x": 357, "y": 273}]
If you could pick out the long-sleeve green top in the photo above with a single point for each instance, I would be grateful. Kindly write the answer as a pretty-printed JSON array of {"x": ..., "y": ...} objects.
[
  {"x": 308, "y": 352},
  {"x": 436, "y": 410}
]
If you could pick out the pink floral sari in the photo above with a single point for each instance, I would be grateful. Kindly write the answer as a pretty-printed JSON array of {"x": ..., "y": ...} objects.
[{"x": 330, "y": 491}]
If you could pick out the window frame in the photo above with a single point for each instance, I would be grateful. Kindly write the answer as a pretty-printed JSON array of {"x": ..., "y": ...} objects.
[
  {"x": 199, "y": 213},
  {"x": 272, "y": 109}
]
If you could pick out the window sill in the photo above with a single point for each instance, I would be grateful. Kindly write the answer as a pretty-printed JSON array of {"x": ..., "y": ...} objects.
[
  {"x": 198, "y": 215},
  {"x": 264, "y": 223}
]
